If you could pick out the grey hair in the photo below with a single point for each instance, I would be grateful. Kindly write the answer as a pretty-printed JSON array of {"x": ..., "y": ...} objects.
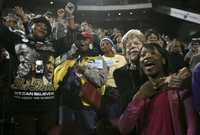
[{"x": 131, "y": 34}]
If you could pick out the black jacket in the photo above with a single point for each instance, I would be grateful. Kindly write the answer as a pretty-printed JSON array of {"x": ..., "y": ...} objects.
[{"x": 128, "y": 82}]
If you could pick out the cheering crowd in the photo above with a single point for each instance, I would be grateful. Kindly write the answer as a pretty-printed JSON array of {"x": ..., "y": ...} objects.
[{"x": 59, "y": 77}]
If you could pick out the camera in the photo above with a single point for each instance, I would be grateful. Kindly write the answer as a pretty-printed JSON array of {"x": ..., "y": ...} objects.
[
  {"x": 39, "y": 67},
  {"x": 70, "y": 6}
]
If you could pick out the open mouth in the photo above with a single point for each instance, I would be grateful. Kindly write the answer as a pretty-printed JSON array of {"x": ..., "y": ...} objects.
[
  {"x": 133, "y": 52},
  {"x": 149, "y": 64}
]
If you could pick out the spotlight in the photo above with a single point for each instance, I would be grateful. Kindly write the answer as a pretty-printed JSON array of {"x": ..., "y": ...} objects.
[
  {"x": 131, "y": 13},
  {"x": 119, "y": 14},
  {"x": 51, "y": 2}
]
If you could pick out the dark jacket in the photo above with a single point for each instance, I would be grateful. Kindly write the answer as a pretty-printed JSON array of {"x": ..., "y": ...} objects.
[
  {"x": 128, "y": 81},
  {"x": 176, "y": 61}
]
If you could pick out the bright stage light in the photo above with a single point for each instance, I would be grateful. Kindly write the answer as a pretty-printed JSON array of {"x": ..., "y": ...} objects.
[{"x": 51, "y": 2}]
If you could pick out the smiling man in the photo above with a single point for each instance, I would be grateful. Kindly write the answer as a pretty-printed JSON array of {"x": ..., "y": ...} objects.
[{"x": 157, "y": 108}]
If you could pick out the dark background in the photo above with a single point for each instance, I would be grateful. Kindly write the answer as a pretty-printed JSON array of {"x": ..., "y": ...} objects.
[{"x": 138, "y": 19}]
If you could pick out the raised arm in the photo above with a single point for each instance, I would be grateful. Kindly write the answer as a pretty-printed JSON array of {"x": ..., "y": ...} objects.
[
  {"x": 20, "y": 12},
  {"x": 69, "y": 10}
]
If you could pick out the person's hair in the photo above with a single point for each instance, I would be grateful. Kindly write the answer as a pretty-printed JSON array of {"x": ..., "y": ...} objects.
[
  {"x": 107, "y": 39},
  {"x": 164, "y": 54},
  {"x": 151, "y": 31},
  {"x": 171, "y": 47},
  {"x": 41, "y": 19},
  {"x": 132, "y": 34}
]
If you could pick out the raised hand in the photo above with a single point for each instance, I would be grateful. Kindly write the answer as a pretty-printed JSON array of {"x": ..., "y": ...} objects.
[
  {"x": 61, "y": 13},
  {"x": 70, "y": 8},
  {"x": 20, "y": 12}
]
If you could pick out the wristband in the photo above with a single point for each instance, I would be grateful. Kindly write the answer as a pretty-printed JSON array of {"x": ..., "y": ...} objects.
[{"x": 71, "y": 17}]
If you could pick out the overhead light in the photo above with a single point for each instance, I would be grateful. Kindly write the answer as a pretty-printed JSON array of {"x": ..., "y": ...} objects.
[
  {"x": 130, "y": 13},
  {"x": 119, "y": 14},
  {"x": 51, "y": 2},
  {"x": 108, "y": 14}
]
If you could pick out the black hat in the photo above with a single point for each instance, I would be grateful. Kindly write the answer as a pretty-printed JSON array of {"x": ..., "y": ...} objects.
[{"x": 42, "y": 19}]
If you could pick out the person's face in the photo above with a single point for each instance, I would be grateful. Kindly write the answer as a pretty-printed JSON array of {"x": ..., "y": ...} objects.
[
  {"x": 195, "y": 46},
  {"x": 84, "y": 26},
  {"x": 177, "y": 48},
  {"x": 151, "y": 62},
  {"x": 40, "y": 30},
  {"x": 106, "y": 46},
  {"x": 152, "y": 38},
  {"x": 132, "y": 49},
  {"x": 84, "y": 45}
]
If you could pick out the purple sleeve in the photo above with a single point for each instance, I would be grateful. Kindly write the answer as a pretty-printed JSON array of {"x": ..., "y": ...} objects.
[
  {"x": 190, "y": 116},
  {"x": 129, "y": 119},
  {"x": 196, "y": 87}
]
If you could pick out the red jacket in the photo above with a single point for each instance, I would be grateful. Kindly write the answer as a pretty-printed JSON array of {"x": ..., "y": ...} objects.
[{"x": 133, "y": 117}]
